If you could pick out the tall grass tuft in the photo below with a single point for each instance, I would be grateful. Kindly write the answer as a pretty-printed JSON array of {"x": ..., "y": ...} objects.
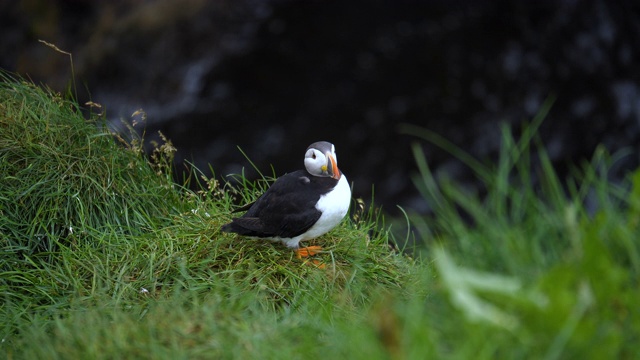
[
  {"x": 61, "y": 176},
  {"x": 66, "y": 188},
  {"x": 533, "y": 265}
]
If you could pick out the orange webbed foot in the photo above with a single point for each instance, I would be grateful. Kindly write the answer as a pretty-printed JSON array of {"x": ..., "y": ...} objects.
[
  {"x": 308, "y": 251},
  {"x": 317, "y": 263}
]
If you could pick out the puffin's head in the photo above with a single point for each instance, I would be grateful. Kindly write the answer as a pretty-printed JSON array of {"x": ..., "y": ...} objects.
[{"x": 321, "y": 160}]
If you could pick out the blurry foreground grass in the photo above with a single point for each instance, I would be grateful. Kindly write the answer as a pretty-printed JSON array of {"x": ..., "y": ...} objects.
[{"x": 102, "y": 256}]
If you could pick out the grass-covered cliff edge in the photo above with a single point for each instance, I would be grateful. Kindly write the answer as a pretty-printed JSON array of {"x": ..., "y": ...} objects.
[{"x": 103, "y": 256}]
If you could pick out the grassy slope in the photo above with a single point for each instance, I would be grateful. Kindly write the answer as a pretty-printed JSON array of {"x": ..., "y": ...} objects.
[{"x": 101, "y": 256}]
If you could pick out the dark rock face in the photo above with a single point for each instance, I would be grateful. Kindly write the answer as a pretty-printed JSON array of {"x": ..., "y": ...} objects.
[{"x": 274, "y": 76}]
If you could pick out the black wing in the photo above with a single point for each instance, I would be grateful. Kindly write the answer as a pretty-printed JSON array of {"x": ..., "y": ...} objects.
[{"x": 286, "y": 209}]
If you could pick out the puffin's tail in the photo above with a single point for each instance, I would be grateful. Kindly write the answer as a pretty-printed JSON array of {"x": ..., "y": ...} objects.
[{"x": 244, "y": 226}]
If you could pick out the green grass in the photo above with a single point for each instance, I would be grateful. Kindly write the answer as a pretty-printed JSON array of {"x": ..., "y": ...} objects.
[{"x": 103, "y": 256}]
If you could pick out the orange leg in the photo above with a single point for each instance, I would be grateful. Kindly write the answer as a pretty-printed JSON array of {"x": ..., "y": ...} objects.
[{"x": 308, "y": 251}]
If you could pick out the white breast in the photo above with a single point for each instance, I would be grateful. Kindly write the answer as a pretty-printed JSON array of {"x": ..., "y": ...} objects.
[{"x": 334, "y": 206}]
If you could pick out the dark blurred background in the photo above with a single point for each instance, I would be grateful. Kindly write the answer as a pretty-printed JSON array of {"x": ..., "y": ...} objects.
[{"x": 274, "y": 76}]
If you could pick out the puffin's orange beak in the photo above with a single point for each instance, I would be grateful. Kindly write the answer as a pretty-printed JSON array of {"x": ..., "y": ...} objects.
[{"x": 332, "y": 166}]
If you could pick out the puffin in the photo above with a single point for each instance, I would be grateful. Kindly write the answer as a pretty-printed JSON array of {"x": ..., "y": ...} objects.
[{"x": 299, "y": 206}]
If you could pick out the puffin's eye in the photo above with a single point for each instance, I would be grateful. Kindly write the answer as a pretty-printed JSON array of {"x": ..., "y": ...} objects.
[{"x": 313, "y": 156}]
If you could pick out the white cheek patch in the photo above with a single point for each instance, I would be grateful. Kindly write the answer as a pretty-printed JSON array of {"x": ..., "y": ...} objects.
[{"x": 315, "y": 165}]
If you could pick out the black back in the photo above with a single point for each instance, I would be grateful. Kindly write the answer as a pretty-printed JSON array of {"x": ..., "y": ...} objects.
[{"x": 286, "y": 209}]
